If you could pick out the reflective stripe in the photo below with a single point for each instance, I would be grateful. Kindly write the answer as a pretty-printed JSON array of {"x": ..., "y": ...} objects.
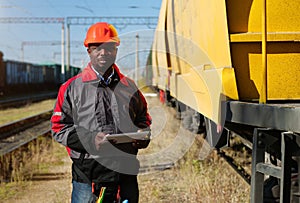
[{"x": 57, "y": 114}]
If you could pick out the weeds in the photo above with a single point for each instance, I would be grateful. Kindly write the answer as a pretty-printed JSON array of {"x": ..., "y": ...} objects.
[
  {"x": 193, "y": 180},
  {"x": 12, "y": 114},
  {"x": 20, "y": 164}
]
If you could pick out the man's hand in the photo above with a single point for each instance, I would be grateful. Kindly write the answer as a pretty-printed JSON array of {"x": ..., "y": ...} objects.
[
  {"x": 99, "y": 140},
  {"x": 140, "y": 144}
]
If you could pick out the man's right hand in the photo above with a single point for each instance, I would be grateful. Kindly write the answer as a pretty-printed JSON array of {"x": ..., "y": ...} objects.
[{"x": 100, "y": 139}]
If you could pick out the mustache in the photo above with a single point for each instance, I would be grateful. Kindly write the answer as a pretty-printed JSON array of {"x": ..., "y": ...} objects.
[{"x": 104, "y": 58}]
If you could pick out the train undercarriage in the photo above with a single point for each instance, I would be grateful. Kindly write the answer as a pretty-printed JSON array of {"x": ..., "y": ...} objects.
[{"x": 271, "y": 131}]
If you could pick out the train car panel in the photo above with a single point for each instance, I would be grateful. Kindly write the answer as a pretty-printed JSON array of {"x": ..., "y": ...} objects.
[
  {"x": 160, "y": 47},
  {"x": 172, "y": 52},
  {"x": 228, "y": 41},
  {"x": 154, "y": 58},
  {"x": 2, "y": 74},
  {"x": 278, "y": 88},
  {"x": 246, "y": 16},
  {"x": 247, "y": 60},
  {"x": 36, "y": 74},
  {"x": 31, "y": 78},
  {"x": 236, "y": 65},
  {"x": 155, "y": 73},
  {"x": 16, "y": 72},
  {"x": 48, "y": 73},
  {"x": 278, "y": 14},
  {"x": 197, "y": 57},
  {"x": 213, "y": 39},
  {"x": 194, "y": 93},
  {"x": 204, "y": 90},
  {"x": 229, "y": 85},
  {"x": 282, "y": 26}
]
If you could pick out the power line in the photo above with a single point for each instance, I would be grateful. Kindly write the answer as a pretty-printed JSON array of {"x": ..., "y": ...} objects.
[
  {"x": 119, "y": 22},
  {"x": 32, "y": 20}
]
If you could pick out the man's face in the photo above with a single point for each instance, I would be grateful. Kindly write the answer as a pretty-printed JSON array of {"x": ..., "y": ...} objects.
[{"x": 102, "y": 55}]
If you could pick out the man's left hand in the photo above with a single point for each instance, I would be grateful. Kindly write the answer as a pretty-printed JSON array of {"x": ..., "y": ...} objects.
[{"x": 140, "y": 144}]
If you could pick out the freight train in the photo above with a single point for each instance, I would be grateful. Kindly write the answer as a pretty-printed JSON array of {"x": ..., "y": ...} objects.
[
  {"x": 19, "y": 78},
  {"x": 234, "y": 67}
]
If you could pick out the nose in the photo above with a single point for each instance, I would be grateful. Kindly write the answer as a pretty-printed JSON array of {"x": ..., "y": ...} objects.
[{"x": 103, "y": 52}]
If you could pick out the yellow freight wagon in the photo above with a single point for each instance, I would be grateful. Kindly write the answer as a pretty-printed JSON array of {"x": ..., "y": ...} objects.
[
  {"x": 237, "y": 64},
  {"x": 197, "y": 40}
]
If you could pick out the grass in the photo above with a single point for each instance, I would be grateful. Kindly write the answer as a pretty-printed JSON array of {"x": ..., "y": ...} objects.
[
  {"x": 205, "y": 180},
  {"x": 12, "y": 114},
  {"x": 193, "y": 180},
  {"x": 8, "y": 190},
  {"x": 20, "y": 164},
  {"x": 15, "y": 167}
]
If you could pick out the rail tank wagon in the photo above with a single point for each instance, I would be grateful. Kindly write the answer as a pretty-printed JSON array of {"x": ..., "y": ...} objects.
[{"x": 237, "y": 65}]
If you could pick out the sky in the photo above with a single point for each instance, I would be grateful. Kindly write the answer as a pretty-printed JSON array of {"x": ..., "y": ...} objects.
[{"x": 39, "y": 43}]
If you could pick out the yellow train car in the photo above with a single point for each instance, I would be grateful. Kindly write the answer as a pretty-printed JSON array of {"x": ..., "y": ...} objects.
[
  {"x": 222, "y": 42},
  {"x": 237, "y": 64}
]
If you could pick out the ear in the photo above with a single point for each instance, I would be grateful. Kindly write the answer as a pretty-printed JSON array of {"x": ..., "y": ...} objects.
[{"x": 88, "y": 50}]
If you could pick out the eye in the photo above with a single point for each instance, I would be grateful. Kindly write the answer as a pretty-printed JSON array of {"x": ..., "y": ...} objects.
[{"x": 93, "y": 49}]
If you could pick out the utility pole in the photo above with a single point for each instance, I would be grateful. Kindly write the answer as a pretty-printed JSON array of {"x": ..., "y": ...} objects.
[
  {"x": 68, "y": 48},
  {"x": 137, "y": 59},
  {"x": 62, "y": 53}
]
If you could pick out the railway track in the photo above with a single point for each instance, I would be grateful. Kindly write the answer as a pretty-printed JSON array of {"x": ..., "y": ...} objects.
[
  {"x": 238, "y": 155},
  {"x": 158, "y": 167},
  {"x": 15, "y": 134},
  {"x": 239, "y": 169},
  {"x": 18, "y": 101}
]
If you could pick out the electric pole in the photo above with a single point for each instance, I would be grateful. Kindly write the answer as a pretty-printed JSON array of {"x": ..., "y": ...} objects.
[{"x": 137, "y": 59}]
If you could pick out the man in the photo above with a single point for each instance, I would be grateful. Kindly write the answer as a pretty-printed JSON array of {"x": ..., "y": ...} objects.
[{"x": 97, "y": 102}]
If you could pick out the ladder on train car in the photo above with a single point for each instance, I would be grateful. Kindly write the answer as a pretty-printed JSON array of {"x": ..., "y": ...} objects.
[{"x": 262, "y": 140}]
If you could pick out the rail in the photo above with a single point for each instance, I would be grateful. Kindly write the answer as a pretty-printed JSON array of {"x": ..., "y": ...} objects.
[
  {"x": 15, "y": 134},
  {"x": 17, "y": 101},
  {"x": 158, "y": 167},
  {"x": 239, "y": 169}
]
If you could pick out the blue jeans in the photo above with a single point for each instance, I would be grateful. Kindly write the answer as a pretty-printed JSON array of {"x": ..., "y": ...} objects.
[{"x": 81, "y": 193}]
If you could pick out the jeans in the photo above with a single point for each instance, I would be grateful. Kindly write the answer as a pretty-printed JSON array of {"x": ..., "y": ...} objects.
[{"x": 81, "y": 193}]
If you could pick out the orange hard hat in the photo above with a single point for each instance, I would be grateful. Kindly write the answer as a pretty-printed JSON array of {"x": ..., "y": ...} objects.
[{"x": 101, "y": 32}]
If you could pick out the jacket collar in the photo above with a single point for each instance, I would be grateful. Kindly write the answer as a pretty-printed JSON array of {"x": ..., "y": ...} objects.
[{"x": 88, "y": 74}]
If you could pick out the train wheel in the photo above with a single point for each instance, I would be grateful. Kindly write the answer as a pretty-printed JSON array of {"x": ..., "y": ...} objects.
[
  {"x": 179, "y": 109},
  {"x": 187, "y": 119},
  {"x": 198, "y": 124}
]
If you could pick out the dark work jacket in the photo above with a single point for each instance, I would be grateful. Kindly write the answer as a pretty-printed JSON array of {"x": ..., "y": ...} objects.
[{"x": 86, "y": 106}]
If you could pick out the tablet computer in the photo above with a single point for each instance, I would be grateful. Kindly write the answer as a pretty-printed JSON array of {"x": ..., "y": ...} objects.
[{"x": 129, "y": 137}]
